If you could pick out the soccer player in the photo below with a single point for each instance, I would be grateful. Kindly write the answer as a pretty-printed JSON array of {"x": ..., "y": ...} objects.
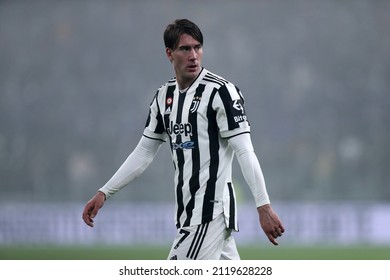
[{"x": 202, "y": 115}]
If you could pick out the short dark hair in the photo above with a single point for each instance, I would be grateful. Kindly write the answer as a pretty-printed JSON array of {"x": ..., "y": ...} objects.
[{"x": 181, "y": 26}]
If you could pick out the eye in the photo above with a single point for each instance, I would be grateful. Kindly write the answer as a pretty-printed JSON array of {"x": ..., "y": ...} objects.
[{"x": 185, "y": 48}]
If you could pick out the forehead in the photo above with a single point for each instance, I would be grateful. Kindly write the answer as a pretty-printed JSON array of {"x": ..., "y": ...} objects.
[{"x": 187, "y": 40}]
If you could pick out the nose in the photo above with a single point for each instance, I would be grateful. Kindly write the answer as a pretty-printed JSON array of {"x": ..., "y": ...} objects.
[{"x": 193, "y": 54}]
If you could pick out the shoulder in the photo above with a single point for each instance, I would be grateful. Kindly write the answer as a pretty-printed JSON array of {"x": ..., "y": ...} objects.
[
  {"x": 225, "y": 89},
  {"x": 163, "y": 87},
  {"x": 219, "y": 83},
  {"x": 162, "y": 90},
  {"x": 214, "y": 80}
]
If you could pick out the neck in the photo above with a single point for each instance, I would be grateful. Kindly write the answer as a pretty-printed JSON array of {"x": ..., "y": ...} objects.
[{"x": 186, "y": 82}]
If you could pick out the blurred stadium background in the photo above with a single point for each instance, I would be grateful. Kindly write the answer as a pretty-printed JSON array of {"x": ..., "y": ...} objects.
[{"x": 76, "y": 79}]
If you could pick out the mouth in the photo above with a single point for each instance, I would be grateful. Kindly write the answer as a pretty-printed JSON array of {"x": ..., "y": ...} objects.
[{"x": 192, "y": 67}]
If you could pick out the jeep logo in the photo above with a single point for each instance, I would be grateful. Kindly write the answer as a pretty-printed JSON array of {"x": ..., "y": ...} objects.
[{"x": 180, "y": 129}]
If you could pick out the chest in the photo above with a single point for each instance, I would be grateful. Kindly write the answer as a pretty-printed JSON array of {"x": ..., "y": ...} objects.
[{"x": 187, "y": 112}]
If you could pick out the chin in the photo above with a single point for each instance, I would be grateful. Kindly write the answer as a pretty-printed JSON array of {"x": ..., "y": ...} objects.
[{"x": 194, "y": 72}]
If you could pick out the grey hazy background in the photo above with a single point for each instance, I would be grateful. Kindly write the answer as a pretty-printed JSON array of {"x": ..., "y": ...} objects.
[{"x": 77, "y": 77}]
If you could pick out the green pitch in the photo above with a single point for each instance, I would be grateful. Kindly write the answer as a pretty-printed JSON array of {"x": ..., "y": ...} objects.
[{"x": 160, "y": 253}]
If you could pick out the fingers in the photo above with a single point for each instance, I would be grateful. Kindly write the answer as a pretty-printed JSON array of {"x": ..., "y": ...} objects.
[
  {"x": 91, "y": 209},
  {"x": 274, "y": 234},
  {"x": 281, "y": 227},
  {"x": 87, "y": 215},
  {"x": 94, "y": 212},
  {"x": 271, "y": 224},
  {"x": 90, "y": 212},
  {"x": 279, "y": 230},
  {"x": 272, "y": 239}
]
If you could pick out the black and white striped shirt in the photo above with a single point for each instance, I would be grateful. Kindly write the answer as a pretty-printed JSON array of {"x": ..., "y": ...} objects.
[{"x": 197, "y": 123}]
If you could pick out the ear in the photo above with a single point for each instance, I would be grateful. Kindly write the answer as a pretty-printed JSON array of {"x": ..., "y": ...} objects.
[{"x": 168, "y": 51}]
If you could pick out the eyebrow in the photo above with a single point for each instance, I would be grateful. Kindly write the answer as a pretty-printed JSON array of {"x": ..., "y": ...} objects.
[{"x": 189, "y": 46}]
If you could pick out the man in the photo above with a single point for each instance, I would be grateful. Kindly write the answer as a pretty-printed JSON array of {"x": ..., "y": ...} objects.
[{"x": 202, "y": 116}]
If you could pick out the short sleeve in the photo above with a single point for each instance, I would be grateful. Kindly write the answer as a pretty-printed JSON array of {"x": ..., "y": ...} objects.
[
  {"x": 229, "y": 106},
  {"x": 154, "y": 127}
]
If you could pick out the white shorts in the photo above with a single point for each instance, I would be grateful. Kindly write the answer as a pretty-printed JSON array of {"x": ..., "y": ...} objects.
[{"x": 210, "y": 241}]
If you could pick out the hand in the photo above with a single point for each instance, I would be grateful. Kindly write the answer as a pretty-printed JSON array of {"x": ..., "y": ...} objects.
[
  {"x": 92, "y": 208},
  {"x": 270, "y": 223}
]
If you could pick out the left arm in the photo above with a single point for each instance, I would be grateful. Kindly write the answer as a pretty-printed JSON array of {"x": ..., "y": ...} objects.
[{"x": 251, "y": 170}]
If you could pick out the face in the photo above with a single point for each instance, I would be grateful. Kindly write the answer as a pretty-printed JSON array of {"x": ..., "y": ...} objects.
[{"x": 186, "y": 60}]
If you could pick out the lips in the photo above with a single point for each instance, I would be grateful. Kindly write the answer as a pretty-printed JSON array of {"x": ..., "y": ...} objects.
[{"x": 192, "y": 67}]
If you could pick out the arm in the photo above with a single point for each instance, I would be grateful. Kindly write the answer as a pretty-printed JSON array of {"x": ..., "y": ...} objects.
[
  {"x": 251, "y": 170},
  {"x": 134, "y": 165}
]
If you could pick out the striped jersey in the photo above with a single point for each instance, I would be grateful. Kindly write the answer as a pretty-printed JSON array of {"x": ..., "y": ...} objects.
[{"x": 197, "y": 123}]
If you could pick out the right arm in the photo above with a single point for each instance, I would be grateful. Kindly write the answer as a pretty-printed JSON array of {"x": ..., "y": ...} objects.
[{"x": 134, "y": 165}]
